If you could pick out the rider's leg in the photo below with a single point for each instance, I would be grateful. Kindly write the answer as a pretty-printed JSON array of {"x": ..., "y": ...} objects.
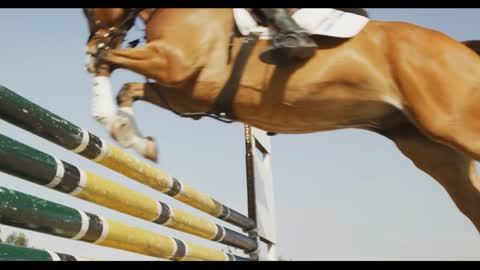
[{"x": 291, "y": 42}]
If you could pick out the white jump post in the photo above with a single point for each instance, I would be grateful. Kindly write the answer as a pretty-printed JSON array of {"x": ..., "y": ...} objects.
[{"x": 260, "y": 192}]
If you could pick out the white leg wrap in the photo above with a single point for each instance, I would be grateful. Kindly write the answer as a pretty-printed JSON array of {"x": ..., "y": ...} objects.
[
  {"x": 138, "y": 143},
  {"x": 90, "y": 63},
  {"x": 103, "y": 108},
  {"x": 134, "y": 141},
  {"x": 127, "y": 110}
]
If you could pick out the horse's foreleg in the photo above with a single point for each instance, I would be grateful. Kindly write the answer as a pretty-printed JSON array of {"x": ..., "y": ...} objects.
[
  {"x": 123, "y": 127},
  {"x": 454, "y": 170},
  {"x": 157, "y": 61},
  {"x": 121, "y": 124},
  {"x": 168, "y": 65}
]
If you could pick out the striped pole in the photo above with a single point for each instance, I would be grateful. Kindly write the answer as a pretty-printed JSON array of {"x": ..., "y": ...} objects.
[
  {"x": 43, "y": 169},
  {"x": 41, "y": 122},
  {"x": 19, "y": 253},
  {"x": 32, "y": 213}
]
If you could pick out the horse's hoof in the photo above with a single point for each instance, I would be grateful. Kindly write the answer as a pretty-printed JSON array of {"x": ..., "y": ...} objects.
[{"x": 150, "y": 151}]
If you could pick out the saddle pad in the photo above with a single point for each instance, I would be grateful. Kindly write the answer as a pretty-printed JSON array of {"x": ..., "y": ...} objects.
[{"x": 317, "y": 21}]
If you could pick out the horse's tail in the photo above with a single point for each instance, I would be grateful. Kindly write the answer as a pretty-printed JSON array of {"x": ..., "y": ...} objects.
[{"x": 473, "y": 44}]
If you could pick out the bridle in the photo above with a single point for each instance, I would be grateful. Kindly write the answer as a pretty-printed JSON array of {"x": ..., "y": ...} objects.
[{"x": 113, "y": 32}]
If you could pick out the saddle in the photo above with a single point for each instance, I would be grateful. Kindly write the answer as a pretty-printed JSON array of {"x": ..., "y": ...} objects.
[{"x": 317, "y": 21}]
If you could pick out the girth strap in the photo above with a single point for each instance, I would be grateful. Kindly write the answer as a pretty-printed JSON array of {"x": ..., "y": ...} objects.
[{"x": 223, "y": 105}]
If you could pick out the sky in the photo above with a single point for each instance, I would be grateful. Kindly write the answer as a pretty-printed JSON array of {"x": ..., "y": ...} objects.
[{"x": 339, "y": 195}]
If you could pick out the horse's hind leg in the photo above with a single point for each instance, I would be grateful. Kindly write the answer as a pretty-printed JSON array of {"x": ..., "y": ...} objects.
[
  {"x": 440, "y": 85},
  {"x": 454, "y": 170},
  {"x": 457, "y": 125}
]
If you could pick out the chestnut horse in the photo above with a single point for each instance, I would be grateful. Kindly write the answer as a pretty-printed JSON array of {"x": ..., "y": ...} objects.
[{"x": 415, "y": 86}]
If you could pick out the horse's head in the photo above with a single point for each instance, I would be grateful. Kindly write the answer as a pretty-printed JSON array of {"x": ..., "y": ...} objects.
[{"x": 108, "y": 28}]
